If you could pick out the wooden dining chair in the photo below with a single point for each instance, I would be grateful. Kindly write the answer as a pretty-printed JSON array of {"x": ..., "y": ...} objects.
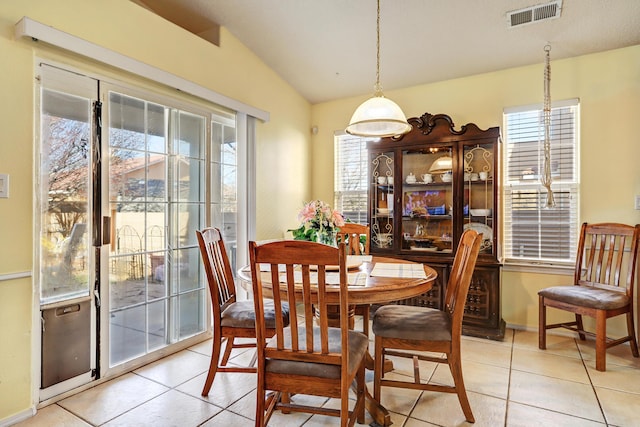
[
  {"x": 356, "y": 236},
  {"x": 603, "y": 282},
  {"x": 305, "y": 358},
  {"x": 402, "y": 331},
  {"x": 231, "y": 318}
]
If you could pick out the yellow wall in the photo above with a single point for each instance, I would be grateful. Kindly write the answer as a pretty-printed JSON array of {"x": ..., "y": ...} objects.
[
  {"x": 122, "y": 26},
  {"x": 293, "y": 166},
  {"x": 608, "y": 86}
]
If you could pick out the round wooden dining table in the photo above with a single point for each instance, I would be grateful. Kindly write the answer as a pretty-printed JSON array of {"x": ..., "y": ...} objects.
[
  {"x": 370, "y": 289},
  {"x": 375, "y": 289}
]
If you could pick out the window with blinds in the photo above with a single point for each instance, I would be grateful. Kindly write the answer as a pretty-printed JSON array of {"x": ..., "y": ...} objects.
[
  {"x": 532, "y": 232},
  {"x": 350, "y": 177}
]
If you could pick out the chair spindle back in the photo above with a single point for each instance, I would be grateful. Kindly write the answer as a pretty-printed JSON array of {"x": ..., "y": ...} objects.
[{"x": 607, "y": 255}]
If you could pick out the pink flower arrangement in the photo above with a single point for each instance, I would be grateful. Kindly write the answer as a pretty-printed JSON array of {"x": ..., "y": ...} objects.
[{"x": 319, "y": 223}]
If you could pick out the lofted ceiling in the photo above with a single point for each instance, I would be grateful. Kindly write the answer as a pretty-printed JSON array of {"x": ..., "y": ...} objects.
[{"x": 326, "y": 49}]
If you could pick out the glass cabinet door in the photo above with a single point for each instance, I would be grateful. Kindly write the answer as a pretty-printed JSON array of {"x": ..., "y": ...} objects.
[
  {"x": 479, "y": 184},
  {"x": 382, "y": 206},
  {"x": 427, "y": 199}
]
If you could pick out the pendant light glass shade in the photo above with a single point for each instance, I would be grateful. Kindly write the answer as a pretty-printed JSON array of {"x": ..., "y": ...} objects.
[
  {"x": 442, "y": 164},
  {"x": 378, "y": 117}
]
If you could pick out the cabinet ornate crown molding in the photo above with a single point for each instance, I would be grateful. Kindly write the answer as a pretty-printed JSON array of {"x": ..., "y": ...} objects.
[{"x": 426, "y": 123}]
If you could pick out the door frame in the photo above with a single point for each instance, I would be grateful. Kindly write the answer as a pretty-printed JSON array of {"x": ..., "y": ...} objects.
[{"x": 245, "y": 130}]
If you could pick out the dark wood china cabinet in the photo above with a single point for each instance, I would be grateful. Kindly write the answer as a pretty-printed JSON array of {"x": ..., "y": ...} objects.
[{"x": 426, "y": 187}]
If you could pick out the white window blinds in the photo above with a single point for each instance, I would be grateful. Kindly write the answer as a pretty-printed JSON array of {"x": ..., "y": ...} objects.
[
  {"x": 532, "y": 232},
  {"x": 350, "y": 177}
]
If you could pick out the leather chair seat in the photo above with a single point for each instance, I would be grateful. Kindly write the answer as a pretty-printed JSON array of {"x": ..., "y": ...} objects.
[
  {"x": 241, "y": 314},
  {"x": 358, "y": 345},
  {"x": 412, "y": 323},
  {"x": 586, "y": 296}
]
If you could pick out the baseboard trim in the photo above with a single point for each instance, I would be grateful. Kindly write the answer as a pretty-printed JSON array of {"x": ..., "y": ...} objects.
[{"x": 20, "y": 416}]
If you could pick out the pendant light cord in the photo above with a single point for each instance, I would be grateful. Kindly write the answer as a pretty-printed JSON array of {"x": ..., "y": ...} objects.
[
  {"x": 378, "y": 116},
  {"x": 377, "y": 89}
]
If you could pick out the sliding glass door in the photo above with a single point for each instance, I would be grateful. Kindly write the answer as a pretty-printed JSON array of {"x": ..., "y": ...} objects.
[
  {"x": 156, "y": 203},
  {"x": 126, "y": 177}
]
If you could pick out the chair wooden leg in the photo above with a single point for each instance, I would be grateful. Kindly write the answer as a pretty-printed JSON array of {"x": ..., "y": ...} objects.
[
  {"x": 286, "y": 399},
  {"x": 580, "y": 327},
  {"x": 365, "y": 319},
  {"x": 260, "y": 405},
  {"x": 344, "y": 408},
  {"x": 632, "y": 334},
  {"x": 378, "y": 368},
  {"x": 213, "y": 365},
  {"x": 360, "y": 394},
  {"x": 601, "y": 340},
  {"x": 542, "y": 323},
  {"x": 455, "y": 365},
  {"x": 227, "y": 351}
]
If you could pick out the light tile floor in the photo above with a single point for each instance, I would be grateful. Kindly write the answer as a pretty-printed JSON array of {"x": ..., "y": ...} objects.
[{"x": 509, "y": 383}]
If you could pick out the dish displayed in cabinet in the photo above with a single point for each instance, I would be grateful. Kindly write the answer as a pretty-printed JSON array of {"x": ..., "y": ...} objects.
[
  {"x": 430, "y": 184},
  {"x": 427, "y": 217},
  {"x": 480, "y": 212},
  {"x": 487, "y": 232},
  {"x": 428, "y": 243},
  {"x": 427, "y": 249}
]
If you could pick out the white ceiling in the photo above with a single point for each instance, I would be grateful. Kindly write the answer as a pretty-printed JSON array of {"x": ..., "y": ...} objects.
[{"x": 326, "y": 49}]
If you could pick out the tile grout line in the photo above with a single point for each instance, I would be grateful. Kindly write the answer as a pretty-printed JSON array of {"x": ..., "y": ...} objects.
[
  {"x": 135, "y": 407},
  {"x": 506, "y": 406},
  {"x": 584, "y": 364},
  {"x": 542, "y": 408},
  {"x": 74, "y": 414}
]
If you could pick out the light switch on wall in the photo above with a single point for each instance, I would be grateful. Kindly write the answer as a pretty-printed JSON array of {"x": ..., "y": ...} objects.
[
  {"x": 4, "y": 185},
  {"x": 638, "y": 201}
]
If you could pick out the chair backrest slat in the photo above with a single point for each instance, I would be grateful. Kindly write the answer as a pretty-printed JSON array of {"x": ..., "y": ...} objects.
[
  {"x": 217, "y": 269},
  {"x": 220, "y": 261},
  {"x": 618, "y": 261}
]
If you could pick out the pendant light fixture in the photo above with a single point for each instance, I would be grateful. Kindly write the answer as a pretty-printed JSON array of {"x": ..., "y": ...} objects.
[
  {"x": 545, "y": 178},
  {"x": 442, "y": 164},
  {"x": 378, "y": 116}
]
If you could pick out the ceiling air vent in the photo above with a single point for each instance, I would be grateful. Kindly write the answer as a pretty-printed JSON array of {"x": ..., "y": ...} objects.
[{"x": 534, "y": 14}]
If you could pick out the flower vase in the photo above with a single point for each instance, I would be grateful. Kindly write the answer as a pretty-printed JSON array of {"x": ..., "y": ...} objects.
[{"x": 327, "y": 239}]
